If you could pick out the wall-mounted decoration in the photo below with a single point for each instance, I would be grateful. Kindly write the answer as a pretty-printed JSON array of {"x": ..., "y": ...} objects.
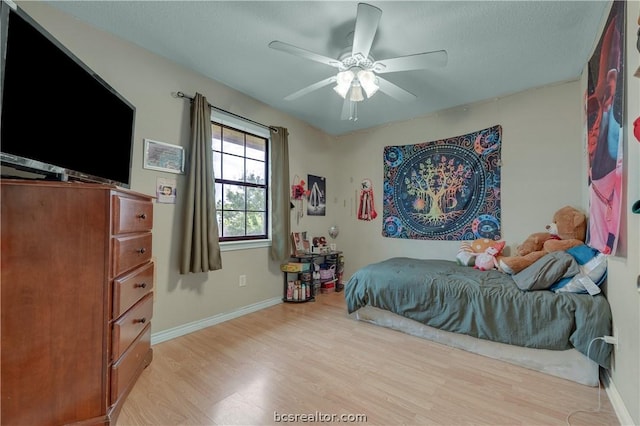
[
  {"x": 297, "y": 189},
  {"x": 366, "y": 207},
  {"x": 605, "y": 100},
  {"x": 316, "y": 203},
  {"x": 447, "y": 189},
  {"x": 163, "y": 156},
  {"x": 166, "y": 190},
  {"x": 298, "y": 194}
]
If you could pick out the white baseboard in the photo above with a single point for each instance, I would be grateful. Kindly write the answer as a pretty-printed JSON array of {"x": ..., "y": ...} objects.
[
  {"x": 172, "y": 333},
  {"x": 616, "y": 400}
]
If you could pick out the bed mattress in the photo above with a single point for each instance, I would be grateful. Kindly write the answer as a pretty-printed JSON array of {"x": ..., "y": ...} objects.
[
  {"x": 567, "y": 364},
  {"x": 486, "y": 305}
]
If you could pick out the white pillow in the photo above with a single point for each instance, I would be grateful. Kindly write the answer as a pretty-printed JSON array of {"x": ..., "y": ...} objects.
[
  {"x": 588, "y": 280},
  {"x": 596, "y": 268},
  {"x": 466, "y": 256}
]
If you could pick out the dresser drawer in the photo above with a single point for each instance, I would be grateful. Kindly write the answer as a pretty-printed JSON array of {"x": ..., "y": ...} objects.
[
  {"x": 127, "y": 328},
  {"x": 131, "y": 215},
  {"x": 128, "y": 368},
  {"x": 127, "y": 290},
  {"x": 130, "y": 251}
]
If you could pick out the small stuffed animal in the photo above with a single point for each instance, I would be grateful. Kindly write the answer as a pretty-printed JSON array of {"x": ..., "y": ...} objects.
[
  {"x": 470, "y": 250},
  {"x": 567, "y": 230},
  {"x": 487, "y": 260}
]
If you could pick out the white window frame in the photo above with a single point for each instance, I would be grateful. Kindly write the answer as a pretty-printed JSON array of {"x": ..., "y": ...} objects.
[{"x": 220, "y": 117}]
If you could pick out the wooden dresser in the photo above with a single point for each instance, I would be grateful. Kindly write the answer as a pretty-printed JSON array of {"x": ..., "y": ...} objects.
[{"x": 77, "y": 278}]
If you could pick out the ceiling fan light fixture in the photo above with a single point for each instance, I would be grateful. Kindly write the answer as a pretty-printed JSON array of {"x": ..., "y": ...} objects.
[
  {"x": 356, "y": 92},
  {"x": 343, "y": 82},
  {"x": 342, "y": 90},
  {"x": 367, "y": 80}
]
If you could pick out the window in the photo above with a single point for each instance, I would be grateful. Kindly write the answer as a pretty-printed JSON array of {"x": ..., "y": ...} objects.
[{"x": 241, "y": 171}]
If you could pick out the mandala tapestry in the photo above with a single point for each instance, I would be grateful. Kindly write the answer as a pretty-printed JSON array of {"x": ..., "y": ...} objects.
[{"x": 444, "y": 190}]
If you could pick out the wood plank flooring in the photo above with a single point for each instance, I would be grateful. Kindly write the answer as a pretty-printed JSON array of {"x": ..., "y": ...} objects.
[{"x": 312, "y": 359}]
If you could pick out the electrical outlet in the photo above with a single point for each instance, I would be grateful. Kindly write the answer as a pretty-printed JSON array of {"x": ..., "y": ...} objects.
[{"x": 242, "y": 281}]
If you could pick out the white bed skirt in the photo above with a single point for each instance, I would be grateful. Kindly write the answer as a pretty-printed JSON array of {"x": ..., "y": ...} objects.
[{"x": 568, "y": 364}]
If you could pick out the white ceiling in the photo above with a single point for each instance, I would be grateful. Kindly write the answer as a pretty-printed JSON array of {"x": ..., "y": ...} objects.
[{"x": 495, "y": 48}]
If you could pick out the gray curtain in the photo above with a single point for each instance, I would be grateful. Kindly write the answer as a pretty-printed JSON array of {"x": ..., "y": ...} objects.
[
  {"x": 281, "y": 212},
  {"x": 200, "y": 248}
]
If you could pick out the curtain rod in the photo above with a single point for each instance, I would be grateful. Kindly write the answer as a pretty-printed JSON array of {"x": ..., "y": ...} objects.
[{"x": 182, "y": 95}]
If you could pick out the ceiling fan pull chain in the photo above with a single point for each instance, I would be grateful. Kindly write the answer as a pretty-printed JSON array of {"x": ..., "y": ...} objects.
[{"x": 353, "y": 112}]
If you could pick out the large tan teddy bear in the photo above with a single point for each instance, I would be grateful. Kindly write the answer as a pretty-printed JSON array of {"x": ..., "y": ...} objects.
[{"x": 567, "y": 230}]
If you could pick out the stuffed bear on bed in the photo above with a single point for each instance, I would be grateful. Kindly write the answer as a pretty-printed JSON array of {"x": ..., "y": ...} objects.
[{"x": 567, "y": 230}]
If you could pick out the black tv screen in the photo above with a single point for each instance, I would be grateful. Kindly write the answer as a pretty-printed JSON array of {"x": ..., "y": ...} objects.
[{"x": 57, "y": 113}]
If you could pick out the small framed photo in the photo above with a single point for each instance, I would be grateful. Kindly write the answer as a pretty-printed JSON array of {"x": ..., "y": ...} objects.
[
  {"x": 297, "y": 243},
  {"x": 163, "y": 156},
  {"x": 166, "y": 190}
]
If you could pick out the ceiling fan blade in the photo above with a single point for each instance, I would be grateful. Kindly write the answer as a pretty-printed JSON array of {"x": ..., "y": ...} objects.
[
  {"x": 367, "y": 21},
  {"x": 418, "y": 61},
  {"x": 394, "y": 91},
  {"x": 298, "y": 51},
  {"x": 311, "y": 88}
]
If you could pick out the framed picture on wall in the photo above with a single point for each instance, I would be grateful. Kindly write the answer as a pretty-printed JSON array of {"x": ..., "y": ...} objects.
[
  {"x": 316, "y": 201},
  {"x": 163, "y": 156}
]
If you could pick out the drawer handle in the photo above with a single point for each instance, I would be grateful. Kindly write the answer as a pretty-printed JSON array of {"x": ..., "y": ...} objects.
[
  {"x": 141, "y": 250},
  {"x": 141, "y": 320},
  {"x": 141, "y": 285},
  {"x": 142, "y": 216}
]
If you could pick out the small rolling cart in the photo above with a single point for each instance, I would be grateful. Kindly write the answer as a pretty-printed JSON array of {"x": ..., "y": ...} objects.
[{"x": 308, "y": 274}]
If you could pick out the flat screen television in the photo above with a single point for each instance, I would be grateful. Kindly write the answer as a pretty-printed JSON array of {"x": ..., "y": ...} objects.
[{"x": 59, "y": 118}]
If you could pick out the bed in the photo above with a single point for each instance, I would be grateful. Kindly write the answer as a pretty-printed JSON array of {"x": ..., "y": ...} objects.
[{"x": 485, "y": 312}]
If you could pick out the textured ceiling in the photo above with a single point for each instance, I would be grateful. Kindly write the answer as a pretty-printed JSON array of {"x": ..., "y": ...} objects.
[{"x": 495, "y": 48}]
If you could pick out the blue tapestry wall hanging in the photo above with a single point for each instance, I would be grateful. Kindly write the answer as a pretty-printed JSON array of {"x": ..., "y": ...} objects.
[{"x": 444, "y": 190}]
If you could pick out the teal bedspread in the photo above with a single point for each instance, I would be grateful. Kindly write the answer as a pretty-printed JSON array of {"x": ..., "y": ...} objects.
[{"x": 483, "y": 304}]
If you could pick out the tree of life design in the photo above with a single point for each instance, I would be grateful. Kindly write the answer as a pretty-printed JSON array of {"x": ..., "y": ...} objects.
[
  {"x": 436, "y": 187},
  {"x": 447, "y": 189}
]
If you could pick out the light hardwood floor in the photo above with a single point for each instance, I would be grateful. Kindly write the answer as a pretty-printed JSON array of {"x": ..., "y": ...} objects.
[{"x": 295, "y": 359}]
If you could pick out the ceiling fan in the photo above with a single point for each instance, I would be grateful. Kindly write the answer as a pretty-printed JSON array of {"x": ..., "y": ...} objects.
[{"x": 358, "y": 71}]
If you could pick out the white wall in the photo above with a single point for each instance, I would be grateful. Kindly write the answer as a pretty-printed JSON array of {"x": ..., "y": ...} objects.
[{"x": 543, "y": 169}]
